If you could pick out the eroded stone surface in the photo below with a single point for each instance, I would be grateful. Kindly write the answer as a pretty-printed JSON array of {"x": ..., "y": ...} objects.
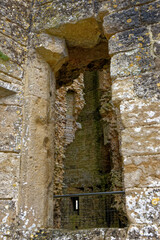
[
  {"x": 11, "y": 120},
  {"x": 142, "y": 171},
  {"x": 37, "y": 78},
  {"x": 52, "y": 49},
  {"x": 96, "y": 234},
  {"x": 72, "y": 20},
  {"x": 122, "y": 89},
  {"x": 140, "y": 113},
  {"x": 132, "y": 62},
  {"x": 131, "y": 18},
  {"x": 12, "y": 49},
  {"x": 7, "y": 218},
  {"x": 129, "y": 40},
  {"x": 155, "y": 31},
  {"x": 12, "y": 69},
  {"x": 140, "y": 140},
  {"x": 9, "y": 177},
  {"x": 121, "y": 21},
  {"x": 7, "y": 89},
  {"x": 142, "y": 232},
  {"x": 147, "y": 85},
  {"x": 139, "y": 205}
]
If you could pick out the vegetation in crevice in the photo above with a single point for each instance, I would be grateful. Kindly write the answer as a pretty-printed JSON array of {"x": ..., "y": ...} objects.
[{"x": 4, "y": 57}]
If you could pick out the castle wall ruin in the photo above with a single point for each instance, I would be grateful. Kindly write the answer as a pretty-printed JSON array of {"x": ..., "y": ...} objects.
[{"x": 45, "y": 46}]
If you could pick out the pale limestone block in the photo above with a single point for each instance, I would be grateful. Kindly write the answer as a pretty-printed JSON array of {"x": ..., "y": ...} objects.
[
  {"x": 10, "y": 128},
  {"x": 140, "y": 141},
  {"x": 132, "y": 178},
  {"x": 140, "y": 112},
  {"x": 142, "y": 171},
  {"x": 38, "y": 77},
  {"x": 122, "y": 89},
  {"x": 9, "y": 177},
  {"x": 37, "y": 116},
  {"x": 140, "y": 209},
  {"x": 53, "y": 50},
  {"x": 37, "y": 162}
]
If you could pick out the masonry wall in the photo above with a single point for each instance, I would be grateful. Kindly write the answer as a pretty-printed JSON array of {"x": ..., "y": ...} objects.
[
  {"x": 33, "y": 49},
  {"x": 14, "y": 29}
]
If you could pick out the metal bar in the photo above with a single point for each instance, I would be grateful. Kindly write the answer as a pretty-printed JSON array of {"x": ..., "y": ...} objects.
[{"x": 88, "y": 194}]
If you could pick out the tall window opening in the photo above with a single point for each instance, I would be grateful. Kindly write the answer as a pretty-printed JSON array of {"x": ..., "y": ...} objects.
[{"x": 87, "y": 157}]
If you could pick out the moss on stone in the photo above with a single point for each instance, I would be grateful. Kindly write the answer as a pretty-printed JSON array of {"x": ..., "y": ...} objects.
[{"x": 4, "y": 57}]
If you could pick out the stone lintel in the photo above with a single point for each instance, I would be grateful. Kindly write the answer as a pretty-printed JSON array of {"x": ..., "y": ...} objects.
[{"x": 52, "y": 49}]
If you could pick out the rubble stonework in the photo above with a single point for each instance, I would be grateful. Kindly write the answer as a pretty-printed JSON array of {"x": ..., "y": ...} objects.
[
  {"x": 64, "y": 134},
  {"x": 39, "y": 39}
]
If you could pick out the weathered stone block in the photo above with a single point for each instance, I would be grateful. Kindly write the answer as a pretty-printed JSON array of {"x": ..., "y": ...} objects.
[
  {"x": 147, "y": 85},
  {"x": 20, "y": 14},
  {"x": 15, "y": 99},
  {"x": 7, "y": 89},
  {"x": 37, "y": 160},
  {"x": 150, "y": 13},
  {"x": 12, "y": 49},
  {"x": 140, "y": 209},
  {"x": 155, "y": 29},
  {"x": 140, "y": 141},
  {"x": 121, "y": 21},
  {"x": 14, "y": 30},
  {"x": 10, "y": 94},
  {"x": 40, "y": 2},
  {"x": 11, "y": 68},
  {"x": 10, "y": 128},
  {"x": 142, "y": 171},
  {"x": 139, "y": 113},
  {"x": 143, "y": 232},
  {"x": 92, "y": 234},
  {"x": 7, "y": 218},
  {"x": 9, "y": 177},
  {"x": 6, "y": 78},
  {"x": 131, "y": 18},
  {"x": 132, "y": 63},
  {"x": 122, "y": 89},
  {"x": 84, "y": 33},
  {"x": 73, "y": 21},
  {"x": 39, "y": 77},
  {"x": 53, "y": 50},
  {"x": 156, "y": 49},
  {"x": 114, "y": 6},
  {"x": 129, "y": 40}
]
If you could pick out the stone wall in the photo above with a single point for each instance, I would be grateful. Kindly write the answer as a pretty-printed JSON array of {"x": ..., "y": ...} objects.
[
  {"x": 14, "y": 33},
  {"x": 39, "y": 40}
]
